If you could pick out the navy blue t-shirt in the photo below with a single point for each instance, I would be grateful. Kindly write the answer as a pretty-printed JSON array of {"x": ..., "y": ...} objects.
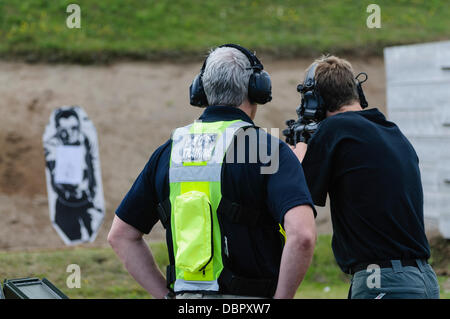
[
  {"x": 371, "y": 173},
  {"x": 255, "y": 251}
]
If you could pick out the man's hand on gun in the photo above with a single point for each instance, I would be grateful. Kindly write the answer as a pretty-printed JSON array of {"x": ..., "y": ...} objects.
[{"x": 299, "y": 131}]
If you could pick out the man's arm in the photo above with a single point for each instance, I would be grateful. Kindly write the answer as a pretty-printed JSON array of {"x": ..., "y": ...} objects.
[
  {"x": 137, "y": 258},
  {"x": 300, "y": 150},
  {"x": 298, "y": 251}
]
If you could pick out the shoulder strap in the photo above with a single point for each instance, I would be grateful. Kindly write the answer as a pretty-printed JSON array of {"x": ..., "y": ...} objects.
[
  {"x": 241, "y": 214},
  {"x": 163, "y": 210}
]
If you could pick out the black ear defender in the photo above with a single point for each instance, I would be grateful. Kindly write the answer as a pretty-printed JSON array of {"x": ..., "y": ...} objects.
[
  {"x": 197, "y": 94},
  {"x": 259, "y": 84},
  {"x": 312, "y": 107}
]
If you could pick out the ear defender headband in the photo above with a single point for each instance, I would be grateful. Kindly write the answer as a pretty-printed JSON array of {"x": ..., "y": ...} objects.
[
  {"x": 312, "y": 106},
  {"x": 259, "y": 84}
]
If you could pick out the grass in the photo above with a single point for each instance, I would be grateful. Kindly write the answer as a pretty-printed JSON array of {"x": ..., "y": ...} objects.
[
  {"x": 103, "y": 276},
  {"x": 324, "y": 278},
  {"x": 154, "y": 29}
]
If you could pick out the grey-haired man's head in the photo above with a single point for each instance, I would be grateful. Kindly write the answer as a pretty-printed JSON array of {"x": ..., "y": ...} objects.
[{"x": 226, "y": 77}]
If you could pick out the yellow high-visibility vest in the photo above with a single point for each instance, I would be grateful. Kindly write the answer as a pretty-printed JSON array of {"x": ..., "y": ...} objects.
[{"x": 197, "y": 155}]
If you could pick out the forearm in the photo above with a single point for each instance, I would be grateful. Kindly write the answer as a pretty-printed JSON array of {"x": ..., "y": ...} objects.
[
  {"x": 298, "y": 251},
  {"x": 295, "y": 261},
  {"x": 138, "y": 260},
  {"x": 300, "y": 150}
]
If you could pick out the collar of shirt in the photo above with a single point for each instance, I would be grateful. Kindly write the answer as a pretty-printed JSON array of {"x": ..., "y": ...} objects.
[
  {"x": 216, "y": 113},
  {"x": 375, "y": 116},
  {"x": 373, "y": 113}
]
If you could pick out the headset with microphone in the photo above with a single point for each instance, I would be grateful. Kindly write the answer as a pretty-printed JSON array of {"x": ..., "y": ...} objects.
[
  {"x": 312, "y": 109},
  {"x": 312, "y": 106},
  {"x": 259, "y": 85}
]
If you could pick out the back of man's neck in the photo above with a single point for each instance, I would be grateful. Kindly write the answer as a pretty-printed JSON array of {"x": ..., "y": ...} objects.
[
  {"x": 346, "y": 108},
  {"x": 249, "y": 109}
]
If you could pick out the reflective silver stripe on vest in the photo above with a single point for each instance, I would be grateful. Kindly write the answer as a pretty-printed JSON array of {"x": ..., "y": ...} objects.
[
  {"x": 209, "y": 172},
  {"x": 185, "y": 285}
]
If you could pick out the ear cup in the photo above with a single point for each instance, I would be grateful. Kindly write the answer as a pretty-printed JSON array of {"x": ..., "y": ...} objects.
[
  {"x": 197, "y": 94},
  {"x": 312, "y": 106},
  {"x": 260, "y": 88}
]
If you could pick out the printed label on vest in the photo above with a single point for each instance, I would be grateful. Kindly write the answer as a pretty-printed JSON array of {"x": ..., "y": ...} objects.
[{"x": 198, "y": 147}]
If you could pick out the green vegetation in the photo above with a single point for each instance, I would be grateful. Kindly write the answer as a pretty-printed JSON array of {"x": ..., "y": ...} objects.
[
  {"x": 174, "y": 29},
  {"x": 324, "y": 278},
  {"x": 103, "y": 276}
]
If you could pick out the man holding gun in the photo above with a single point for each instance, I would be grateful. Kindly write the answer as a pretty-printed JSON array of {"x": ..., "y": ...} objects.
[{"x": 371, "y": 173}]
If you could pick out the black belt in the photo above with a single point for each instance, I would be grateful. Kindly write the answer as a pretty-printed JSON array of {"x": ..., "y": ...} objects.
[
  {"x": 382, "y": 264},
  {"x": 235, "y": 285}
]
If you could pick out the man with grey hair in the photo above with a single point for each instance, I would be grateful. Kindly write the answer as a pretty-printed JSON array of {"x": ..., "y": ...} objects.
[
  {"x": 226, "y": 77},
  {"x": 231, "y": 231}
]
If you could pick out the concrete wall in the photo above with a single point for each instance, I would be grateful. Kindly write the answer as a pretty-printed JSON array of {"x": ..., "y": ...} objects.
[{"x": 418, "y": 101}]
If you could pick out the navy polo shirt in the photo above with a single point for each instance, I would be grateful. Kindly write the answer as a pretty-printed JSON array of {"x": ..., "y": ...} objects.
[
  {"x": 254, "y": 251},
  {"x": 371, "y": 173}
]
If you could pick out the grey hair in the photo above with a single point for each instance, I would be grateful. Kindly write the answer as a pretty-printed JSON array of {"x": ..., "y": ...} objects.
[{"x": 226, "y": 76}]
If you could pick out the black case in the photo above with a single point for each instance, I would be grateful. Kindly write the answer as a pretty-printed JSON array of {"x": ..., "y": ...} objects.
[{"x": 31, "y": 288}]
